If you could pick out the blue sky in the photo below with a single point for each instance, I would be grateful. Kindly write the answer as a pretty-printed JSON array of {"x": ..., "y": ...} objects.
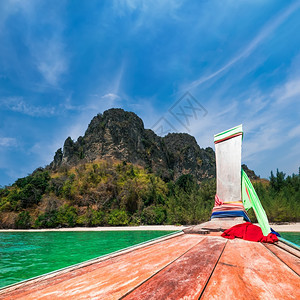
[{"x": 62, "y": 62}]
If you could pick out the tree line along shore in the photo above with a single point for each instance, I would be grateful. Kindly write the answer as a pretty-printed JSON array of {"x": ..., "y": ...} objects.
[{"x": 108, "y": 193}]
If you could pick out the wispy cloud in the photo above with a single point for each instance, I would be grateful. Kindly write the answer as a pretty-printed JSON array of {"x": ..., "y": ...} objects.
[
  {"x": 11, "y": 7},
  {"x": 48, "y": 54},
  {"x": 263, "y": 34},
  {"x": 8, "y": 142},
  {"x": 96, "y": 103},
  {"x": 256, "y": 103},
  {"x": 265, "y": 138},
  {"x": 294, "y": 132},
  {"x": 50, "y": 59},
  {"x": 110, "y": 96},
  {"x": 44, "y": 152},
  {"x": 267, "y": 122},
  {"x": 155, "y": 8},
  {"x": 18, "y": 104},
  {"x": 272, "y": 125},
  {"x": 104, "y": 97},
  {"x": 160, "y": 46},
  {"x": 289, "y": 92}
]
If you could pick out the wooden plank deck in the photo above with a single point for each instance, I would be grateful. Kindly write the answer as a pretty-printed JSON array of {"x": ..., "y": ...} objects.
[
  {"x": 186, "y": 277},
  {"x": 107, "y": 279},
  {"x": 186, "y": 266},
  {"x": 247, "y": 270},
  {"x": 292, "y": 261}
]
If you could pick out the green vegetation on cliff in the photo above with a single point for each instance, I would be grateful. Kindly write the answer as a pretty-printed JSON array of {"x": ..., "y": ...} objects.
[
  {"x": 107, "y": 193},
  {"x": 120, "y": 173},
  {"x": 103, "y": 193}
]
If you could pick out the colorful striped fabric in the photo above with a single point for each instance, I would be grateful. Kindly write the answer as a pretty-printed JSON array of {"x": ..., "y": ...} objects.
[
  {"x": 235, "y": 193},
  {"x": 230, "y": 210},
  {"x": 228, "y": 199}
]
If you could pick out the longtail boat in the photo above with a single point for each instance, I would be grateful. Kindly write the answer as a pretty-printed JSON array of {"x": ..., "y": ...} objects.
[{"x": 196, "y": 263}]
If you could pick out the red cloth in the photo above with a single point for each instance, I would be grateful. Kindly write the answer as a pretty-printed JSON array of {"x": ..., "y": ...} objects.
[
  {"x": 218, "y": 201},
  {"x": 248, "y": 231}
]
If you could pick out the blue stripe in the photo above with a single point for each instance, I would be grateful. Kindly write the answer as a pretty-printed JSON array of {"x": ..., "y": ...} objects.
[{"x": 226, "y": 214}]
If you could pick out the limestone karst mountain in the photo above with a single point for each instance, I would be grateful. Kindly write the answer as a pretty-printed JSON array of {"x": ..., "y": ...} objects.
[
  {"x": 120, "y": 135},
  {"x": 118, "y": 173}
]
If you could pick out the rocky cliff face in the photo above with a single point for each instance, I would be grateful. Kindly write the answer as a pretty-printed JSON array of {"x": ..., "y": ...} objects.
[
  {"x": 250, "y": 173},
  {"x": 121, "y": 135}
]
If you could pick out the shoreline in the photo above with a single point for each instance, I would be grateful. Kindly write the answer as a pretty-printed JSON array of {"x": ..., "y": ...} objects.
[
  {"x": 290, "y": 227},
  {"x": 113, "y": 228}
]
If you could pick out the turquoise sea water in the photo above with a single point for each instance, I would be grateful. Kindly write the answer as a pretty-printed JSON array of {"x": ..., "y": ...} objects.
[
  {"x": 25, "y": 255},
  {"x": 291, "y": 236}
]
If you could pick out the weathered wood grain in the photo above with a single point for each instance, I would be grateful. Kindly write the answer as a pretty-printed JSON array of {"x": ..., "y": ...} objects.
[
  {"x": 186, "y": 277},
  {"x": 111, "y": 278},
  {"x": 289, "y": 259},
  {"x": 181, "y": 267},
  {"x": 247, "y": 270}
]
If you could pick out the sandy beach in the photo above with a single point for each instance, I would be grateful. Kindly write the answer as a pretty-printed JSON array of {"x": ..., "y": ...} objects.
[
  {"x": 290, "y": 227},
  {"x": 117, "y": 228}
]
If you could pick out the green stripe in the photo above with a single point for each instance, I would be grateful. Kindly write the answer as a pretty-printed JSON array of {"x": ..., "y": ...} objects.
[
  {"x": 228, "y": 133},
  {"x": 254, "y": 203}
]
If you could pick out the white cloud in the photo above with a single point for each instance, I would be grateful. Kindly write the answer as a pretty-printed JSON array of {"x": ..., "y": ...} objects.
[
  {"x": 294, "y": 133},
  {"x": 267, "y": 30},
  {"x": 44, "y": 151},
  {"x": 290, "y": 91},
  {"x": 50, "y": 59},
  {"x": 256, "y": 103},
  {"x": 267, "y": 123},
  {"x": 155, "y": 8},
  {"x": 265, "y": 138},
  {"x": 96, "y": 103},
  {"x": 48, "y": 52},
  {"x": 110, "y": 96},
  {"x": 8, "y": 142},
  {"x": 17, "y": 104},
  {"x": 11, "y": 7}
]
